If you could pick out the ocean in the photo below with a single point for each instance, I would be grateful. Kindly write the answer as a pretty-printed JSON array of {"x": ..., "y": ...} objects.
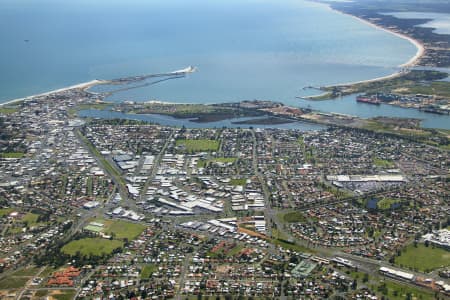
[{"x": 243, "y": 49}]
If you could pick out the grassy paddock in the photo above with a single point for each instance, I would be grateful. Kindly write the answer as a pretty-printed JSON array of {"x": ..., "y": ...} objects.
[
  {"x": 383, "y": 163},
  {"x": 119, "y": 229},
  {"x": 30, "y": 271},
  {"x": 239, "y": 181},
  {"x": 147, "y": 271},
  {"x": 8, "y": 110},
  {"x": 30, "y": 218},
  {"x": 423, "y": 258},
  {"x": 125, "y": 230},
  {"x": 386, "y": 203},
  {"x": 6, "y": 211},
  {"x": 199, "y": 145},
  {"x": 12, "y": 282},
  {"x": 12, "y": 154},
  {"x": 92, "y": 246},
  {"x": 397, "y": 291},
  {"x": 291, "y": 246},
  {"x": 235, "y": 250},
  {"x": 292, "y": 217},
  {"x": 63, "y": 294}
]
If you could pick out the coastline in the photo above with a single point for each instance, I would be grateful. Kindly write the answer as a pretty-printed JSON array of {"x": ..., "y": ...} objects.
[
  {"x": 420, "y": 47},
  {"x": 410, "y": 63},
  {"x": 83, "y": 85}
]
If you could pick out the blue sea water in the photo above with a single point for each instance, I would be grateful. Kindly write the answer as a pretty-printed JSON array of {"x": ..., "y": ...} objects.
[
  {"x": 440, "y": 22},
  {"x": 244, "y": 49}
]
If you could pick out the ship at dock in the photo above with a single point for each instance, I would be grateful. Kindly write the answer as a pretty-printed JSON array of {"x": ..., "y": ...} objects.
[{"x": 368, "y": 100}]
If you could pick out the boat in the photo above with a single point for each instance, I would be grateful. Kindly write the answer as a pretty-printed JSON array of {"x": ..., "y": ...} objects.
[
  {"x": 434, "y": 110},
  {"x": 368, "y": 100}
]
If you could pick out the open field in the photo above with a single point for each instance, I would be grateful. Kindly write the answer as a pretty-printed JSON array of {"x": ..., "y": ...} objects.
[
  {"x": 56, "y": 294},
  {"x": 235, "y": 250},
  {"x": 292, "y": 217},
  {"x": 124, "y": 230},
  {"x": 290, "y": 246},
  {"x": 439, "y": 88},
  {"x": 27, "y": 221},
  {"x": 277, "y": 234},
  {"x": 378, "y": 126},
  {"x": 423, "y": 258},
  {"x": 63, "y": 295},
  {"x": 409, "y": 83},
  {"x": 390, "y": 289},
  {"x": 198, "y": 145},
  {"x": 386, "y": 203},
  {"x": 179, "y": 109},
  {"x": 30, "y": 219},
  {"x": 47, "y": 271},
  {"x": 414, "y": 132},
  {"x": 8, "y": 110},
  {"x": 238, "y": 181},
  {"x": 91, "y": 246},
  {"x": 13, "y": 282},
  {"x": 29, "y": 271},
  {"x": 5, "y": 211},
  {"x": 118, "y": 228},
  {"x": 201, "y": 113},
  {"x": 383, "y": 163},
  {"x": 397, "y": 291},
  {"x": 147, "y": 270},
  {"x": 12, "y": 155}
]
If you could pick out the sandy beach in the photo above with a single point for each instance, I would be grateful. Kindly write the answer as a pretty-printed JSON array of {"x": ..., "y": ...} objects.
[
  {"x": 393, "y": 75},
  {"x": 84, "y": 85},
  {"x": 420, "y": 48},
  {"x": 410, "y": 63}
]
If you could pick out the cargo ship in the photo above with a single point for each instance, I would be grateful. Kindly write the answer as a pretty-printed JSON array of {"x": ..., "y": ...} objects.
[
  {"x": 368, "y": 100},
  {"x": 434, "y": 110}
]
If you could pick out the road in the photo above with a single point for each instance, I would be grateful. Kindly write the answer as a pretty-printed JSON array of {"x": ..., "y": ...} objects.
[
  {"x": 183, "y": 273},
  {"x": 155, "y": 168},
  {"x": 368, "y": 265},
  {"x": 102, "y": 162},
  {"x": 25, "y": 288}
]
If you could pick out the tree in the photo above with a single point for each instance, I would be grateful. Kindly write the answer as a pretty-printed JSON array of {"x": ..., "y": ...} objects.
[
  {"x": 383, "y": 289},
  {"x": 354, "y": 284}
]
